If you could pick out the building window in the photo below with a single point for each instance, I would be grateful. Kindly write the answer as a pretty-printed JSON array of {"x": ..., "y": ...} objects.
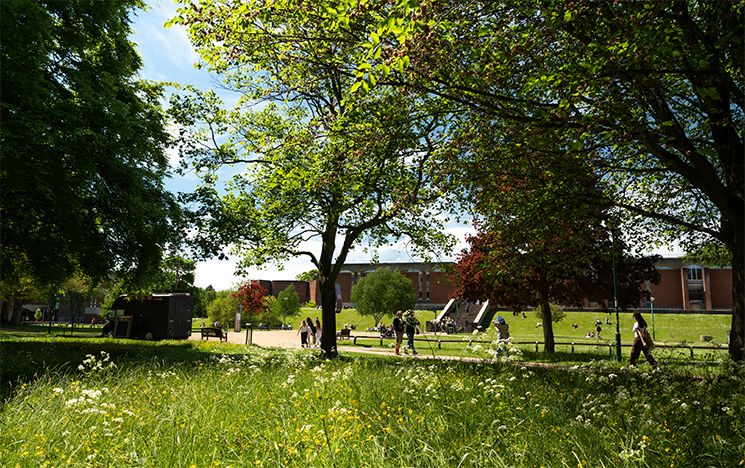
[
  {"x": 696, "y": 295},
  {"x": 695, "y": 273}
]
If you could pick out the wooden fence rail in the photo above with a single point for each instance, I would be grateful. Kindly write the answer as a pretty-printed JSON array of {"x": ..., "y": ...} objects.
[{"x": 537, "y": 344}]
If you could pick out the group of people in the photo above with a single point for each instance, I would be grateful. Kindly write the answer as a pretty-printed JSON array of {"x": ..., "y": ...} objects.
[
  {"x": 642, "y": 340},
  {"x": 310, "y": 333},
  {"x": 409, "y": 325}
]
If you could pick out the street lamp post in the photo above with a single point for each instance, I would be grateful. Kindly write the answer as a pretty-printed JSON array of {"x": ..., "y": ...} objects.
[
  {"x": 615, "y": 297},
  {"x": 651, "y": 311}
]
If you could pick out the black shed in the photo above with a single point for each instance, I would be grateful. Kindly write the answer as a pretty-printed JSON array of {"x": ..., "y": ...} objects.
[{"x": 153, "y": 317}]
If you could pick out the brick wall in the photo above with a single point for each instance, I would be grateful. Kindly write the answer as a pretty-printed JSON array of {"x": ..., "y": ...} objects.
[
  {"x": 440, "y": 287},
  {"x": 668, "y": 294},
  {"x": 301, "y": 287},
  {"x": 721, "y": 288}
]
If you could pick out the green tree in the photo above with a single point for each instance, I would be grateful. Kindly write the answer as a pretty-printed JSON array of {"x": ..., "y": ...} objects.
[
  {"x": 653, "y": 93},
  {"x": 174, "y": 274},
  {"x": 81, "y": 142},
  {"x": 287, "y": 304},
  {"x": 223, "y": 308},
  {"x": 317, "y": 162},
  {"x": 383, "y": 292},
  {"x": 310, "y": 275},
  {"x": 203, "y": 297}
]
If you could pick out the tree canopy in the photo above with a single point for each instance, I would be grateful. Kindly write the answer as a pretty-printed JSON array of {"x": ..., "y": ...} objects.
[
  {"x": 383, "y": 292},
  {"x": 287, "y": 304},
  {"x": 82, "y": 144},
  {"x": 250, "y": 296},
  {"x": 317, "y": 163},
  {"x": 652, "y": 93}
]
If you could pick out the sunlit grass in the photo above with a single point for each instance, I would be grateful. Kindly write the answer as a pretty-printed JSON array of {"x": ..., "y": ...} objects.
[{"x": 208, "y": 404}]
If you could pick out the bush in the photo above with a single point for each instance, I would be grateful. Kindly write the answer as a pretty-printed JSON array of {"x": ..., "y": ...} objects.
[
  {"x": 223, "y": 308},
  {"x": 557, "y": 313}
]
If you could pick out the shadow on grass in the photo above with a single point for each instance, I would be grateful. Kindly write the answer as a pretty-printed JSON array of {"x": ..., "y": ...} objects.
[{"x": 26, "y": 359}]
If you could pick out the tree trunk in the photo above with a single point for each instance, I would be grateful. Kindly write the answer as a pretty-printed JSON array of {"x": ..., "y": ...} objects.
[
  {"x": 737, "y": 333},
  {"x": 15, "y": 311},
  {"x": 548, "y": 324},
  {"x": 328, "y": 312}
]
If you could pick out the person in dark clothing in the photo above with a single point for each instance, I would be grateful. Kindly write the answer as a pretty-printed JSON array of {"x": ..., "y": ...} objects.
[
  {"x": 311, "y": 331},
  {"x": 412, "y": 326},
  {"x": 398, "y": 329}
]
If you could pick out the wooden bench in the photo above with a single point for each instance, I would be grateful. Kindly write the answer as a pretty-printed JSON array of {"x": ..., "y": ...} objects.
[
  {"x": 208, "y": 332},
  {"x": 343, "y": 334}
]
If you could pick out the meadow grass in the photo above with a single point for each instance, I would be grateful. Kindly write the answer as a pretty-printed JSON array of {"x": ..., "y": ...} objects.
[{"x": 122, "y": 403}]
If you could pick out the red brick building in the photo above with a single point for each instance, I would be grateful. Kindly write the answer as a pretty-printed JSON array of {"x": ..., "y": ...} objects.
[
  {"x": 683, "y": 285},
  {"x": 431, "y": 281},
  {"x": 691, "y": 286}
]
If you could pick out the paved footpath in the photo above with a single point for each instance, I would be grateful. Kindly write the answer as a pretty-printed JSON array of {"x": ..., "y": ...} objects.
[{"x": 289, "y": 339}]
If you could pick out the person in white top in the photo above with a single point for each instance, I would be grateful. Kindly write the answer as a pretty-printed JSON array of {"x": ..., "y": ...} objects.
[
  {"x": 303, "y": 331},
  {"x": 319, "y": 332},
  {"x": 642, "y": 341}
]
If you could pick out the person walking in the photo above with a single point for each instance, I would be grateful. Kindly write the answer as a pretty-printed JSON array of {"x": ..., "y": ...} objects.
[
  {"x": 303, "y": 332},
  {"x": 598, "y": 328},
  {"x": 319, "y": 332},
  {"x": 398, "y": 330},
  {"x": 412, "y": 326},
  {"x": 311, "y": 331},
  {"x": 503, "y": 333},
  {"x": 642, "y": 341}
]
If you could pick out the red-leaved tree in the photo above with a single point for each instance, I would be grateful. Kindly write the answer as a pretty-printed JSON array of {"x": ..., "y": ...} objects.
[{"x": 250, "y": 295}]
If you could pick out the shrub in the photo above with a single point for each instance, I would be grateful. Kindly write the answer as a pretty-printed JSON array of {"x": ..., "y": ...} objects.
[{"x": 557, "y": 313}]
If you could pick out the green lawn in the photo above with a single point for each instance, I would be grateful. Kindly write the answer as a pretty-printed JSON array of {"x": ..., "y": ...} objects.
[{"x": 669, "y": 329}]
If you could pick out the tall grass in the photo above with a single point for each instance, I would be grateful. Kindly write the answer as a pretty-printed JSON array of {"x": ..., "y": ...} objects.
[{"x": 190, "y": 406}]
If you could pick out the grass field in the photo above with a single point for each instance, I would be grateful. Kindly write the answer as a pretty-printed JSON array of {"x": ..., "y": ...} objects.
[
  {"x": 209, "y": 404},
  {"x": 669, "y": 328}
]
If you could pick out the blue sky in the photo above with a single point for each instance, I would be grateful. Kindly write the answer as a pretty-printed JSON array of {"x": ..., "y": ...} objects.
[{"x": 167, "y": 55}]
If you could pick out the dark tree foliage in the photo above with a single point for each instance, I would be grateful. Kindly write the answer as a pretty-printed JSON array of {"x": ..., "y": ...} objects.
[
  {"x": 543, "y": 237},
  {"x": 652, "y": 92},
  {"x": 82, "y": 144}
]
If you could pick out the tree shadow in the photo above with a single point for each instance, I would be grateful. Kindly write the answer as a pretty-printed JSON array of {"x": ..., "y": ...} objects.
[{"x": 26, "y": 360}]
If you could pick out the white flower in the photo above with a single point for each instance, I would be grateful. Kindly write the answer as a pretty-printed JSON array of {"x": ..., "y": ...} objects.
[
  {"x": 91, "y": 394},
  {"x": 58, "y": 390}
]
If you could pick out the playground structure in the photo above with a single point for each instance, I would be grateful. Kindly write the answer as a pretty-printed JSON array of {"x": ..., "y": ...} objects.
[{"x": 463, "y": 317}]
